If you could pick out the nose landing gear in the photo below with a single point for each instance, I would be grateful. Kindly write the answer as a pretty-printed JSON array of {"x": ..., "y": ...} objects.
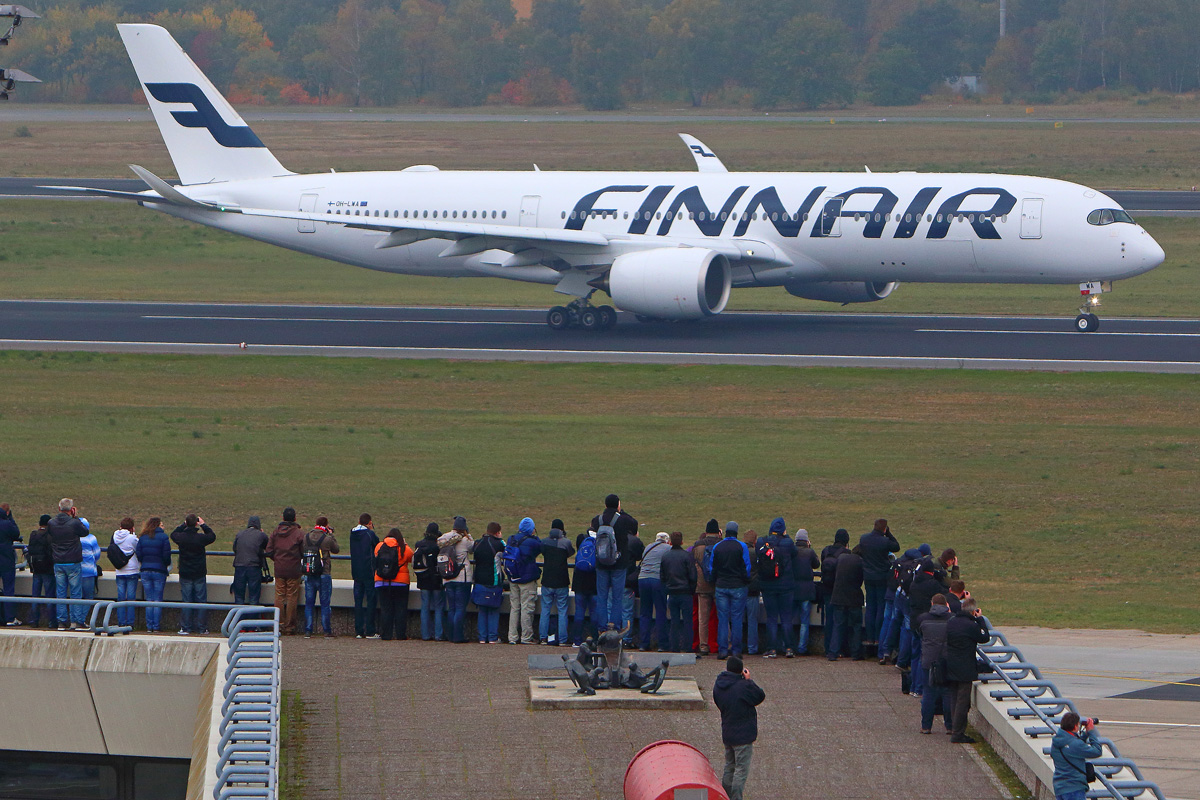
[
  {"x": 1087, "y": 321},
  {"x": 580, "y": 313}
]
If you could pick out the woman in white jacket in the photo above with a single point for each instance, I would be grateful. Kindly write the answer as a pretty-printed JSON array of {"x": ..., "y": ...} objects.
[
  {"x": 457, "y": 586},
  {"x": 127, "y": 576}
]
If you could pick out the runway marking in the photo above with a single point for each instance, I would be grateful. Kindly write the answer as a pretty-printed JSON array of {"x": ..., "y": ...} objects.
[
  {"x": 331, "y": 319},
  {"x": 1122, "y": 678},
  {"x": 1053, "y": 333},
  {"x": 1153, "y": 724}
]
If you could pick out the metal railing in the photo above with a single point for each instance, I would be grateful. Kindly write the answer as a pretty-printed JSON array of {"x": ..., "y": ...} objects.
[
  {"x": 1043, "y": 702},
  {"x": 248, "y": 750}
]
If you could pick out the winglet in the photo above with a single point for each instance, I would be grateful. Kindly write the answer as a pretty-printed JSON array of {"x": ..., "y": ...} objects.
[{"x": 706, "y": 159}]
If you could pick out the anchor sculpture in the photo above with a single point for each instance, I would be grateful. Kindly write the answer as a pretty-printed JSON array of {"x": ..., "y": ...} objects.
[{"x": 607, "y": 666}]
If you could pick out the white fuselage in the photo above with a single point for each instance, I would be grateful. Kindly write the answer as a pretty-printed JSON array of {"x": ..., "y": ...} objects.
[{"x": 961, "y": 228}]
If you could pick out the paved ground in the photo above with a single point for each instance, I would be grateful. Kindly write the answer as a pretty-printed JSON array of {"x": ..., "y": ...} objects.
[
  {"x": 795, "y": 339},
  {"x": 1158, "y": 727},
  {"x": 423, "y": 720}
]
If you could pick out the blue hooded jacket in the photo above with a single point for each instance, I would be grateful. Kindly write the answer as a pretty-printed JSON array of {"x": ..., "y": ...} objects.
[
  {"x": 530, "y": 546},
  {"x": 1070, "y": 753},
  {"x": 154, "y": 552}
]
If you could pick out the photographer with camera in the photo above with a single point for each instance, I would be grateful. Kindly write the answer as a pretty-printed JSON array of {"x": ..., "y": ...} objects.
[{"x": 1074, "y": 743}]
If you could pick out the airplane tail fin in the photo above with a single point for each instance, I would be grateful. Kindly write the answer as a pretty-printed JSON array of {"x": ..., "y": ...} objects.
[{"x": 208, "y": 140}]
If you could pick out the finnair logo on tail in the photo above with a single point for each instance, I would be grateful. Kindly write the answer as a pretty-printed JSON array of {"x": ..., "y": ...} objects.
[{"x": 205, "y": 115}]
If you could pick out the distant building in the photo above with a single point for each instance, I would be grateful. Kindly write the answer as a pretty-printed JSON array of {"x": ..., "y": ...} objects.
[{"x": 967, "y": 84}]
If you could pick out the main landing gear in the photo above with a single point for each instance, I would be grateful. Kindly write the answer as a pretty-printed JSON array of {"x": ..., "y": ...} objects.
[
  {"x": 1087, "y": 321},
  {"x": 580, "y": 313}
]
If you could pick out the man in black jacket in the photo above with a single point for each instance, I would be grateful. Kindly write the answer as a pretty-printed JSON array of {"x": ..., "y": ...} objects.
[
  {"x": 40, "y": 558},
  {"x": 924, "y": 586},
  {"x": 429, "y": 583},
  {"x": 556, "y": 583},
  {"x": 829, "y": 557},
  {"x": 776, "y": 556},
  {"x": 876, "y": 544},
  {"x": 363, "y": 541},
  {"x": 191, "y": 538},
  {"x": 736, "y": 696},
  {"x": 965, "y": 631},
  {"x": 610, "y": 578},
  {"x": 932, "y": 628},
  {"x": 728, "y": 564},
  {"x": 65, "y": 531},
  {"x": 679, "y": 580},
  {"x": 847, "y": 605},
  {"x": 10, "y": 534},
  {"x": 806, "y": 589}
]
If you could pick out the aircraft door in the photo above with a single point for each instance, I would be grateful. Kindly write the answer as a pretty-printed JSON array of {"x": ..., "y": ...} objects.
[
  {"x": 529, "y": 211},
  {"x": 830, "y": 221},
  {"x": 1031, "y": 218},
  {"x": 308, "y": 205}
]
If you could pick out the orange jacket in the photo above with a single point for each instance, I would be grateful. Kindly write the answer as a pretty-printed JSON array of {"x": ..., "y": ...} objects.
[{"x": 405, "y": 557}]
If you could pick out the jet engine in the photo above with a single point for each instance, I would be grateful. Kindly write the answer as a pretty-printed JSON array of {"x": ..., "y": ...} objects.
[
  {"x": 843, "y": 292},
  {"x": 671, "y": 283}
]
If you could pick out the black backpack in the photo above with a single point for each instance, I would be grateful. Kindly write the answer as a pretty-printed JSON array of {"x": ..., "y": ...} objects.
[
  {"x": 424, "y": 558},
  {"x": 387, "y": 562},
  {"x": 116, "y": 555},
  {"x": 311, "y": 563},
  {"x": 768, "y": 561},
  {"x": 41, "y": 553}
]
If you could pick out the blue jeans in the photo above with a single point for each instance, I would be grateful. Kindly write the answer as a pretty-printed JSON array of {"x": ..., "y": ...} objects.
[
  {"x": 847, "y": 626},
  {"x": 628, "y": 600},
  {"x": 489, "y": 624},
  {"x": 433, "y": 614},
  {"x": 87, "y": 586},
  {"x": 1080, "y": 795},
  {"x": 8, "y": 588},
  {"x": 458, "y": 594},
  {"x": 43, "y": 586},
  {"x": 152, "y": 589},
  {"x": 778, "y": 608},
  {"x": 364, "y": 608},
  {"x": 554, "y": 601},
  {"x": 584, "y": 604},
  {"x": 873, "y": 618},
  {"x": 610, "y": 598},
  {"x": 752, "y": 615},
  {"x": 68, "y": 586},
  {"x": 804, "y": 618},
  {"x": 247, "y": 585},
  {"x": 731, "y": 613},
  {"x": 885, "y": 627},
  {"x": 127, "y": 590},
  {"x": 322, "y": 584},
  {"x": 654, "y": 599},
  {"x": 904, "y": 645},
  {"x": 918, "y": 674},
  {"x": 680, "y": 606},
  {"x": 193, "y": 590},
  {"x": 896, "y": 622},
  {"x": 929, "y": 703}
]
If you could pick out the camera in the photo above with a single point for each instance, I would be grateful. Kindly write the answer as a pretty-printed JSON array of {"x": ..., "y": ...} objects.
[{"x": 1095, "y": 720}]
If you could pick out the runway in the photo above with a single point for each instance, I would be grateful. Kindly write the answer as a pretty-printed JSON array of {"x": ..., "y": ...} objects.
[
  {"x": 791, "y": 339},
  {"x": 1135, "y": 201}
]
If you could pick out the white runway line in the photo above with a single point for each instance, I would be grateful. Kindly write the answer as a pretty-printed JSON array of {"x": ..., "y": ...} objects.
[
  {"x": 331, "y": 319},
  {"x": 1053, "y": 333}
]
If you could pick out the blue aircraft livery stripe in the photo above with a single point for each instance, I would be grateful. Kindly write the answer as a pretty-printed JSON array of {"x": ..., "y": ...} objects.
[{"x": 205, "y": 115}]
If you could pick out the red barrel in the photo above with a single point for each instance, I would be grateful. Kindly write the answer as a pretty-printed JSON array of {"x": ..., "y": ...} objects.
[{"x": 660, "y": 768}]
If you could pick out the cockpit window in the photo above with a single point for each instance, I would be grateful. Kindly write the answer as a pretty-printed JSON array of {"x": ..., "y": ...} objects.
[{"x": 1107, "y": 216}]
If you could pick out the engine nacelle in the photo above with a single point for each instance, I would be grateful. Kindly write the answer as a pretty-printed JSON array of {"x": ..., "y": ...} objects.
[
  {"x": 671, "y": 283},
  {"x": 843, "y": 292}
]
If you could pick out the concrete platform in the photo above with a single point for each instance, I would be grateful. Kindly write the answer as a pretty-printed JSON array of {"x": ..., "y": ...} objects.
[{"x": 675, "y": 694}]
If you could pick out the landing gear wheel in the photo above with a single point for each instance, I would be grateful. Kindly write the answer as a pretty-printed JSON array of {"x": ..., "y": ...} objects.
[
  {"x": 608, "y": 317},
  {"x": 590, "y": 319},
  {"x": 558, "y": 318},
  {"x": 1086, "y": 323}
]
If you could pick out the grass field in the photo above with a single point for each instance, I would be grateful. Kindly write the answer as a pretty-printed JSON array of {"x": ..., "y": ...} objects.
[
  {"x": 100, "y": 250},
  {"x": 1103, "y": 155},
  {"x": 1071, "y": 498}
]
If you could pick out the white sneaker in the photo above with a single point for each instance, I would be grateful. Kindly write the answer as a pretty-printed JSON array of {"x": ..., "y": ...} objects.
[
  {"x": 182, "y": 632},
  {"x": 358, "y": 636},
  {"x": 15, "y": 622}
]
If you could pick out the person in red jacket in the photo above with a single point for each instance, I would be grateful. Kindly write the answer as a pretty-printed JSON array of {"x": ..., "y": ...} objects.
[
  {"x": 285, "y": 548},
  {"x": 392, "y": 587}
]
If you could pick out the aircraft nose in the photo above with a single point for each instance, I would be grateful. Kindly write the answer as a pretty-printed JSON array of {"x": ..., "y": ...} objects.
[{"x": 1149, "y": 252}]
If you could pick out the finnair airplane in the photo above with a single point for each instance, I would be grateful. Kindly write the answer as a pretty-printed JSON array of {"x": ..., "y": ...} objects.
[{"x": 662, "y": 245}]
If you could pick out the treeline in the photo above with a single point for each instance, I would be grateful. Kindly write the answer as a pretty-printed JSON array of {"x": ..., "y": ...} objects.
[{"x": 606, "y": 53}]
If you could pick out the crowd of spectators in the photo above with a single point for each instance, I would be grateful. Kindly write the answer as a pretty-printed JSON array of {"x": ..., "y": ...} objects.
[{"x": 730, "y": 592}]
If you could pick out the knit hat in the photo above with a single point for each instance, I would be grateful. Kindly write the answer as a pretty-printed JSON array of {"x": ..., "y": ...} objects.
[
  {"x": 432, "y": 530},
  {"x": 734, "y": 664},
  {"x": 712, "y": 527},
  {"x": 526, "y": 526},
  {"x": 460, "y": 524},
  {"x": 925, "y": 550},
  {"x": 731, "y": 528},
  {"x": 558, "y": 523},
  {"x": 842, "y": 536},
  {"x": 662, "y": 536},
  {"x": 254, "y": 522},
  {"x": 912, "y": 554},
  {"x": 44, "y": 521},
  {"x": 778, "y": 526},
  {"x": 802, "y": 536}
]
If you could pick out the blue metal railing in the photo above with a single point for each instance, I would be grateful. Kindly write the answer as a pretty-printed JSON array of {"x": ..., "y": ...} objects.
[
  {"x": 1046, "y": 703},
  {"x": 248, "y": 750}
]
